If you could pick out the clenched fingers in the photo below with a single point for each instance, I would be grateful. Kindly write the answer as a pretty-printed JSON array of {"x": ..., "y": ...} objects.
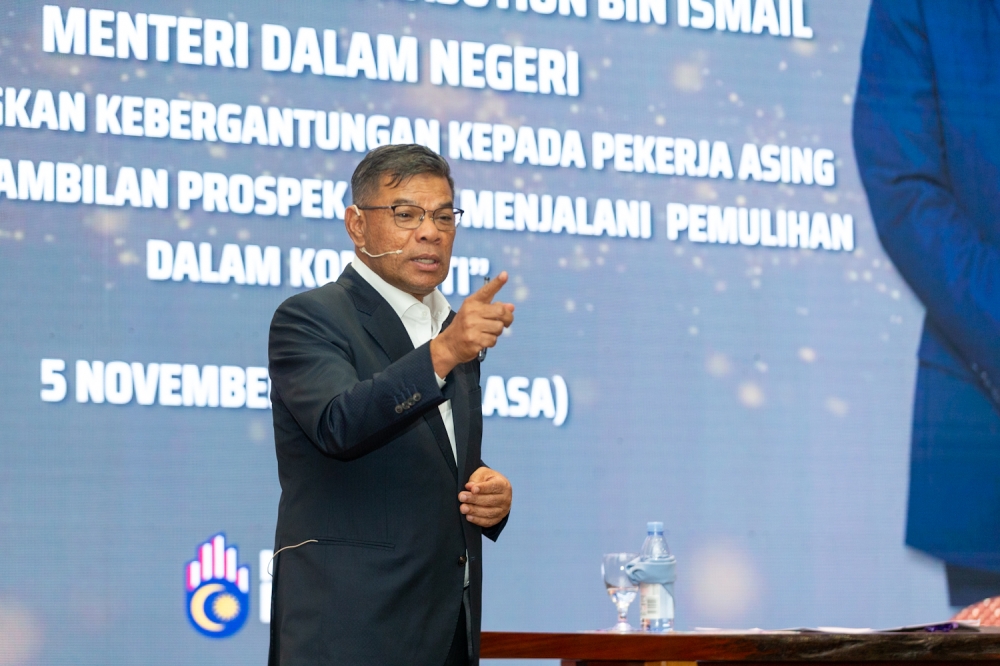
[
  {"x": 505, "y": 314},
  {"x": 486, "y": 519},
  {"x": 492, "y": 327},
  {"x": 492, "y": 311}
]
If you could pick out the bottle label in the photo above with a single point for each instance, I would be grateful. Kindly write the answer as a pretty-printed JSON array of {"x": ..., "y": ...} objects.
[
  {"x": 656, "y": 602},
  {"x": 650, "y": 603}
]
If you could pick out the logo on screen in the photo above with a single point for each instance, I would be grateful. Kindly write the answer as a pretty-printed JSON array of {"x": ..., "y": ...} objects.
[{"x": 218, "y": 590}]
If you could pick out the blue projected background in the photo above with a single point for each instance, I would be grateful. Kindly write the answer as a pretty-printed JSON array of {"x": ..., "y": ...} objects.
[{"x": 708, "y": 332}]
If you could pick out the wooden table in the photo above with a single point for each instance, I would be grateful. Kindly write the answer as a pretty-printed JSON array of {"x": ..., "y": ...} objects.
[{"x": 762, "y": 649}]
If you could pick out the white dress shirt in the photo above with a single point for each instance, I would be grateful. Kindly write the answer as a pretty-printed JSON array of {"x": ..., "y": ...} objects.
[{"x": 422, "y": 320}]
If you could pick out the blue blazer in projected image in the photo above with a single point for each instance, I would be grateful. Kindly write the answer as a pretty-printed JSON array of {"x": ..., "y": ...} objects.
[{"x": 927, "y": 140}]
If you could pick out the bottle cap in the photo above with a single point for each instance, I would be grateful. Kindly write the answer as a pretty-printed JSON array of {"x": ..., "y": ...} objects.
[{"x": 654, "y": 528}]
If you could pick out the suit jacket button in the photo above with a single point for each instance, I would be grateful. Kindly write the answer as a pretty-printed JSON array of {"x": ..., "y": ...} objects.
[
  {"x": 461, "y": 560},
  {"x": 399, "y": 409},
  {"x": 416, "y": 397}
]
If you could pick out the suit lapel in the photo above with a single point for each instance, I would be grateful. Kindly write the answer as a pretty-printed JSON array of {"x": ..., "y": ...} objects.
[
  {"x": 437, "y": 423},
  {"x": 459, "y": 395},
  {"x": 434, "y": 420},
  {"x": 389, "y": 332},
  {"x": 460, "y": 412},
  {"x": 384, "y": 325}
]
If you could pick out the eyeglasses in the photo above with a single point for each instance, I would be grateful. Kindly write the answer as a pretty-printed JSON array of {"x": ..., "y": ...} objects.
[{"x": 408, "y": 216}]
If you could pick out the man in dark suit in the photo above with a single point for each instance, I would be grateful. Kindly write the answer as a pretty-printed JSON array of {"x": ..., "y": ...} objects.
[
  {"x": 927, "y": 139},
  {"x": 378, "y": 427}
]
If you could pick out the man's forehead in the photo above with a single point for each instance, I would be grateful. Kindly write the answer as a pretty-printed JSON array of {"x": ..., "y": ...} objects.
[{"x": 417, "y": 188}]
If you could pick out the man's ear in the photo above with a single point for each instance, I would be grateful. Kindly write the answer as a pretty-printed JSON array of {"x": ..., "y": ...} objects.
[{"x": 355, "y": 225}]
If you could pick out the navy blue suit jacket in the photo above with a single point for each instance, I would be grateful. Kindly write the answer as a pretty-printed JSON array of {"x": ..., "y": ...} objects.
[
  {"x": 367, "y": 471},
  {"x": 927, "y": 140}
]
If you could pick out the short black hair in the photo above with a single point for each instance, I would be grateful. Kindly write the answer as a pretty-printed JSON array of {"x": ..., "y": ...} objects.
[{"x": 400, "y": 162}]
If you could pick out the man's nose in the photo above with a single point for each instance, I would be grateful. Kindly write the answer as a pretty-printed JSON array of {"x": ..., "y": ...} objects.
[{"x": 427, "y": 231}]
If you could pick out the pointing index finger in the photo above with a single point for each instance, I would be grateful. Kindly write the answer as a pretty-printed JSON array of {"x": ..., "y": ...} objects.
[{"x": 490, "y": 289}]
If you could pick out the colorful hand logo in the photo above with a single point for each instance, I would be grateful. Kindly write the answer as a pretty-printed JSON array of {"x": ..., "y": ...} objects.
[{"x": 218, "y": 591}]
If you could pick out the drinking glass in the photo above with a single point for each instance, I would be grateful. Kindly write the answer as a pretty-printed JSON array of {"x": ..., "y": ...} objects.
[{"x": 620, "y": 587}]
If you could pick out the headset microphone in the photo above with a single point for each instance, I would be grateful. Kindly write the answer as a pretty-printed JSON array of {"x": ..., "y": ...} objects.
[{"x": 376, "y": 256}]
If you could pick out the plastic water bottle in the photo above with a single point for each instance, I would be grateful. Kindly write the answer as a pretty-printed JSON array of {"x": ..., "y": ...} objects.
[{"x": 656, "y": 597}]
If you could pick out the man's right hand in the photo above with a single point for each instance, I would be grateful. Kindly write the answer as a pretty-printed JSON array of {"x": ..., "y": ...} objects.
[{"x": 477, "y": 325}]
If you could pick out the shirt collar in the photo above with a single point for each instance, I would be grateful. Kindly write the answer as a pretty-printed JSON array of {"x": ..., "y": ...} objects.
[{"x": 398, "y": 299}]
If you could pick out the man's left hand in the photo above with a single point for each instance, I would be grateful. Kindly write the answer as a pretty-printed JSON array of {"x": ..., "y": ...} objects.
[{"x": 486, "y": 498}]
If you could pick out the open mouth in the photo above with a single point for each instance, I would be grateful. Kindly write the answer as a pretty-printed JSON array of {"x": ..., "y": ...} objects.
[{"x": 426, "y": 263}]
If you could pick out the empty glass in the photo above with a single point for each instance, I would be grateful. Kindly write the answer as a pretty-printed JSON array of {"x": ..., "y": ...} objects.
[{"x": 620, "y": 587}]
